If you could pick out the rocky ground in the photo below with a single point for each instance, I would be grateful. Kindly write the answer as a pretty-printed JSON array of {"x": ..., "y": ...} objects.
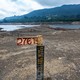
[{"x": 62, "y": 54}]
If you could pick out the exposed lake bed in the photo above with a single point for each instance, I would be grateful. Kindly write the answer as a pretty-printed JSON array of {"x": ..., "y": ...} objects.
[{"x": 62, "y": 54}]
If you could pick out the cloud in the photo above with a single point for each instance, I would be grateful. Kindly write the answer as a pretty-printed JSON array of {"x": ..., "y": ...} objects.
[
  {"x": 17, "y": 7},
  {"x": 20, "y": 7},
  {"x": 13, "y": 0},
  {"x": 57, "y": 2}
]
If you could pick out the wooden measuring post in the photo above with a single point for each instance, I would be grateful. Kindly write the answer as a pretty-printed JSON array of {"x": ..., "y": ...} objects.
[
  {"x": 40, "y": 62},
  {"x": 30, "y": 40},
  {"x": 40, "y": 59}
]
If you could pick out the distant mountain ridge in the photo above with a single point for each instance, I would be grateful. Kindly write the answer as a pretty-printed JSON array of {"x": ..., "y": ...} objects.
[
  {"x": 62, "y": 13},
  {"x": 63, "y": 10}
]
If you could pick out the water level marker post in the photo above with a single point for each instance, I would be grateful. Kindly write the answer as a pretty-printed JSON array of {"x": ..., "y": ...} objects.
[
  {"x": 30, "y": 40},
  {"x": 40, "y": 59}
]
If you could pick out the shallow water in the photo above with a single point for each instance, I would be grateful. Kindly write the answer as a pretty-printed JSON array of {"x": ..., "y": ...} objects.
[
  {"x": 66, "y": 26},
  {"x": 14, "y": 27}
]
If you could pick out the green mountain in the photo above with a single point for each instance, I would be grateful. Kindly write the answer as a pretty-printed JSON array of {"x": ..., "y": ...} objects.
[{"x": 62, "y": 13}]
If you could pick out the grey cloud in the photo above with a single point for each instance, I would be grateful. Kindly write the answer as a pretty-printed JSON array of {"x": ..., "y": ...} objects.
[
  {"x": 57, "y": 2},
  {"x": 2, "y": 16},
  {"x": 18, "y": 2},
  {"x": 24, "y": 10},
  {"x": 3, "y": 10},
  {"x": 13, "y": 0},
  {"x": 48, "y": 2}
]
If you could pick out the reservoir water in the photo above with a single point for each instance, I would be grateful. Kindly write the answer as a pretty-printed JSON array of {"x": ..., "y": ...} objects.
[
  {"x": 14, "y": 27},
  {"x": 66, "y": 26}
]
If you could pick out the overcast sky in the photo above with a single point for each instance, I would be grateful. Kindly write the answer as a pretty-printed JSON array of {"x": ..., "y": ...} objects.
[{"x": 20, "y": 7}]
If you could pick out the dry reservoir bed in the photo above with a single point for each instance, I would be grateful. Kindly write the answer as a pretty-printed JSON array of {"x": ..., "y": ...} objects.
[{"x": 62, "y": 54}]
